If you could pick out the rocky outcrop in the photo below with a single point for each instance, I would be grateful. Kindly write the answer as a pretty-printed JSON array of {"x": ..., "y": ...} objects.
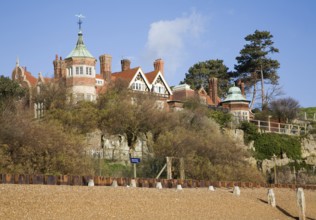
[
  {"x": 308, "y": 151},
  {"x": 115, "y": 147}
]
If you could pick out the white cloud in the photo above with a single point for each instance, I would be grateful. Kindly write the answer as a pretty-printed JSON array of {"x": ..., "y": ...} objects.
[{"x": 169, "y": 40}]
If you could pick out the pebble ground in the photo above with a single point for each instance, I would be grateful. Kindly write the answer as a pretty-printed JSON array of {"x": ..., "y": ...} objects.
[{"x": 100, "y": 202}]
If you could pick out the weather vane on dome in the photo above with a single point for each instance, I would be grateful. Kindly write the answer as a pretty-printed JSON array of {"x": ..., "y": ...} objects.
[{"x": 80, "y": 16}]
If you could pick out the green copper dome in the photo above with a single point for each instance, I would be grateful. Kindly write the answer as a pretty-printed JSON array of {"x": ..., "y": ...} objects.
[
  {"x": 80, "y": 49},
  {"x": 234, "y": 94}
]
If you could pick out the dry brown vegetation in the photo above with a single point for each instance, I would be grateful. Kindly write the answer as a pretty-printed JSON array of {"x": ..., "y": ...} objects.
[{"x": 54, "y": 144}]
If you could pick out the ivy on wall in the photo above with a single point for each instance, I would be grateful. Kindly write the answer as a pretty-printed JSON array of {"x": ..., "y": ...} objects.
[{"x": 268, "y": 144}]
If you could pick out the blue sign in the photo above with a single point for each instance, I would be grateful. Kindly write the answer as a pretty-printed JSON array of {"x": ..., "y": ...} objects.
[{"x": 135, "y": 160}]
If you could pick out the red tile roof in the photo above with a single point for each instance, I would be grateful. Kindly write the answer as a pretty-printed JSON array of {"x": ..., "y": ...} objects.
[
  {"x": 98, "y": 76},
  {"x": 30, "y": 78},
  {"x": 127, "y": 74},
  {"x": 151, "y": 76}
]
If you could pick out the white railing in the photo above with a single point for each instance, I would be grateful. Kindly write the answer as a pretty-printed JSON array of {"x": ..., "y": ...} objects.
[
  {"x": 274, "y": 127},
  {"x": 281, "y": 128}
]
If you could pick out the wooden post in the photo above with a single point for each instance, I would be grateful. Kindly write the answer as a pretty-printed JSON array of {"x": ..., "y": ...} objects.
[
  {"x": 164, "y": 167},
  {"x": 169, "y": 167},
  {"x": 182, "y": 174},
  {"x": 258, "y": 126},
  {"x": 134, "y": 165}
]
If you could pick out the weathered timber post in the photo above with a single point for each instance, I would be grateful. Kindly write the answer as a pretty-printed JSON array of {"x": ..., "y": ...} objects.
[
  {"x": 169, "y": 167},
  {"x": 134, "y": 167},
  {"x": 182, "y": 174},
  {"x": 300, "y": 199}
]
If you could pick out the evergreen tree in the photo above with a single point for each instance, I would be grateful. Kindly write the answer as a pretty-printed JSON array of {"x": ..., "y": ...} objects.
[
  {"x": 199, "y": 74},
  {"x": 255, "y": 65},
  {"x": 10, "y": 91}
]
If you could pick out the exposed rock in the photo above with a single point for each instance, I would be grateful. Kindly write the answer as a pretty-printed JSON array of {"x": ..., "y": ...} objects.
[
  {"x": 308, "y": 147},
  {"x": 115, "y": 147}
]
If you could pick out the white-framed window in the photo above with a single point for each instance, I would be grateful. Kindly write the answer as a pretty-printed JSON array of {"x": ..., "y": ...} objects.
[
  {"x": 81, "y": 70},
  {"x": 139, "y": 85},
  {"x": 69, "y": 70},
  {"x": 77, "y": 70},
  {"x": 90, "y": 71},
  {"x": 99, "y": 82},
  {"x": 160, "y": 89},
  {"x": 87, "y": 70}
]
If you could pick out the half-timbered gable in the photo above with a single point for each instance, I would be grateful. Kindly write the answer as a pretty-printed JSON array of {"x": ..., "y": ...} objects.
[
  {"x": 139, "y": 82},
  {"x": 158, "y": 84}
]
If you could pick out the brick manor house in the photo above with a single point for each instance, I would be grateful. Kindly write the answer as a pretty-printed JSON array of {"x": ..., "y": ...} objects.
[{"x": 78, "y": 71}]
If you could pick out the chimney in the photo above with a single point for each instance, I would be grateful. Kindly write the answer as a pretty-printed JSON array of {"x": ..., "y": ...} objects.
[
  {"x": 105, "y": 66},
  {"x": 126, "y": 64},
  {"x": 241, "y": 85},
  {"x": 59, "y": 67},
  {"x": 159, "y": 65},
  {"x": 213, "y": 90},
  {"x": 242, "y": 88}
]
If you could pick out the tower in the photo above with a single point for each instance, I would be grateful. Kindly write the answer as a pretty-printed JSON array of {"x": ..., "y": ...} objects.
[{"x": 80, "y": 70}]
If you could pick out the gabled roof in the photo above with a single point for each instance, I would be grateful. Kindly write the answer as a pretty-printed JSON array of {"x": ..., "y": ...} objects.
[
  {"x": 153, "y": 76},
  {"x": 127, "y": 74}
]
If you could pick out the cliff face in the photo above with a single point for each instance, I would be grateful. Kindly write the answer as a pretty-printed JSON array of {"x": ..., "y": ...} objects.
[
  {"x": 308, "y": 151},
  {"x": 115, "y": 147}
]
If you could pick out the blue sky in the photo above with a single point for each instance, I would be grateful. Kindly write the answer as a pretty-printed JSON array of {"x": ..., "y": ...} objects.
[{"x": 181, "y": 32}]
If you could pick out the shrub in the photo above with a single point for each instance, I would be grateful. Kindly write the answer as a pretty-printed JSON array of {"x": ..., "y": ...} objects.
[
  {"x": 269, "y": 144},
  {"x": 250, "y": 131}
]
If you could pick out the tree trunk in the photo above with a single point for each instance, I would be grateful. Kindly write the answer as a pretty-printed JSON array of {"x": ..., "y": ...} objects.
[
  {"x": 262, "y": 89},
  {"x": 254, "y": 93}
]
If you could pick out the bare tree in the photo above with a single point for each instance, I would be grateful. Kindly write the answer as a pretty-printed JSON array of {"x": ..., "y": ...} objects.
[{"x": 285, "y": 109}]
